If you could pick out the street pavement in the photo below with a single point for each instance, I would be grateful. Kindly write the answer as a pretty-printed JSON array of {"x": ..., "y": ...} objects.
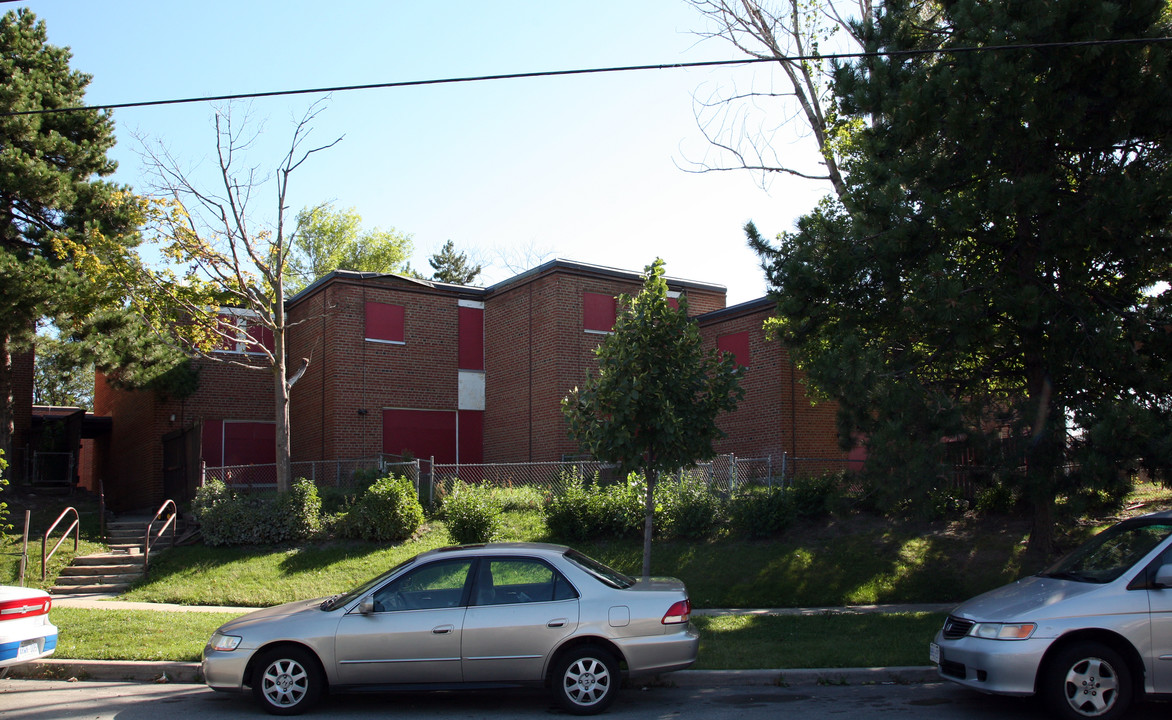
[{"x": 189, "y": 672}]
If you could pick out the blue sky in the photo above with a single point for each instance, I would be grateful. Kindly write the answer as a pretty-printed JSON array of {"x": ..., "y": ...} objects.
[{"x": 585, "y": 167}]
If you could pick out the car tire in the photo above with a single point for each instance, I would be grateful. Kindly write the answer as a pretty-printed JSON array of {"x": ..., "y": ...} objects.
[
  {"x": 586, "y": 680},
  {"x": 287, "y": 680},
  {"x": 1087, "y": 680}
]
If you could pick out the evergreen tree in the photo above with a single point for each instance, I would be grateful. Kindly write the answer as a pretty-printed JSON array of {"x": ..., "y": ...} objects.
[
  {"x": 453, "y": 267},
  {"x": 56, "y": 212},
  {"x": 653, "y": 404},
  {"x": 992, "y": 278}
]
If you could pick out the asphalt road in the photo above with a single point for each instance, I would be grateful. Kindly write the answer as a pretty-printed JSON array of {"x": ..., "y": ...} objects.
[{"x": 58, "y": 700}]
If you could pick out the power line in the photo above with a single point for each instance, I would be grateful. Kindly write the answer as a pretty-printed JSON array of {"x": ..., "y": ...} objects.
[{"x": 593, "y": 71}]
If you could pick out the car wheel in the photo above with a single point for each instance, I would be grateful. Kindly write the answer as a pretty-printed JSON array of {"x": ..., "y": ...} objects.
[
  {"x": 287, "y": 680},
  {"x": 586, "y": 680},
  {"x": 1087, "y": 680}
]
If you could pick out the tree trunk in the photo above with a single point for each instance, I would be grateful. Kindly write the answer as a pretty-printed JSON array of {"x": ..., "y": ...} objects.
[
  {"x": 281, "y": 385},
  {"x": 648, "y": 521}
]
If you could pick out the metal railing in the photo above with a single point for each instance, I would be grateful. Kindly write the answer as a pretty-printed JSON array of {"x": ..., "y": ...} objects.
[
  {"x": 151, "y": 537},
  {"x": 75, "y": 528}
]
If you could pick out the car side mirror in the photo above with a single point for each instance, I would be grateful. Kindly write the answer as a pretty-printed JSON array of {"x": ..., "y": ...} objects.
[{"x": 366, "y": 607}]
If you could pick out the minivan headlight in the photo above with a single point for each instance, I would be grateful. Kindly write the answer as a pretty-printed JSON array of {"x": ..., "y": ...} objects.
[
  {"x": 1003, "y": 631},
  {"x": 224, "y": 643}
]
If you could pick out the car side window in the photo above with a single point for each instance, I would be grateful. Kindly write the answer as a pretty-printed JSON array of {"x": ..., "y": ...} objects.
[
  {"x": 435, "y": 585},
  {"x": 506, "y": 581}
]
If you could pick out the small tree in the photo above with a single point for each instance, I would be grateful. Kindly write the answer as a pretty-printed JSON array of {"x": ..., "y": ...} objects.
[
  {"x": 653, "y": 404},
  {"x": 453, "y": 267}
]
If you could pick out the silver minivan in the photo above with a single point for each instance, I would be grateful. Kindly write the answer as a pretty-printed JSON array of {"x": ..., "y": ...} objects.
[{"x": 1088, "y": 635}]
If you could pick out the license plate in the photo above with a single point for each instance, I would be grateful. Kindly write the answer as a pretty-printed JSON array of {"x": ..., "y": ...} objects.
[
  {"x": 934, "y": 653},
  {"x": 28, "y": 649}
]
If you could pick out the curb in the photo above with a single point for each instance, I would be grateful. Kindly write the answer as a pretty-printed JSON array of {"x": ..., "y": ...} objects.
[
  {"x": 110, "y": 671},
  {"x": 145, "y": 671}
]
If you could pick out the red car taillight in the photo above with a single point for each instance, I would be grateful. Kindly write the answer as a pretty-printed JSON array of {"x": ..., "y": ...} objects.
[
  {"x": 23, "y": 608},
  {"x": 678, "y": 613}
]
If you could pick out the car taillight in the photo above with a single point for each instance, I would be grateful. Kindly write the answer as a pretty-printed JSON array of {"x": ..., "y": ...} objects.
[
  {"x": 23, "y": 608},
  {"x": 678, "y": 613}
]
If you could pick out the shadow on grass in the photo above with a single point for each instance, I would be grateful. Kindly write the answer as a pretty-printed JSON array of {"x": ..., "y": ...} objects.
[{"x": 815, "y": 641}]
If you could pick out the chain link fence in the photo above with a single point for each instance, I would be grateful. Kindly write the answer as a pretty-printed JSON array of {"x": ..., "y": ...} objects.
[{"x": 726, "y": 474}]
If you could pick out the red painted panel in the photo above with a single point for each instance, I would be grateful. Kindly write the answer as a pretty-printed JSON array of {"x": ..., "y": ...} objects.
[
  {"x": 385, "y": 322},
  {"x": 471, "y": 436},
  {"x": 736, "y": 344},
  {"x": 249, "y": 443},
  {"x": 471, "y": 355},
  {"x": 259, "y": 336},
  {"x": 598, "y": 312},
  {"x": 212, "y": 442},
  {"x": 425, "y": 433}
]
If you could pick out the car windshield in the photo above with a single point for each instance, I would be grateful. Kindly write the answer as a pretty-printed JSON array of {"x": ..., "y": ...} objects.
[
  {"x": 607, "y": 575},
  {"x": 338, "y": 601},
  {"x": 1112, "y": 552}
]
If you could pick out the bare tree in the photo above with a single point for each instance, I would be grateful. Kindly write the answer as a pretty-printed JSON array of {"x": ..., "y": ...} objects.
[
  {"x": 231, "y": 292},
  {"x": 742, "y": 125},
  {"x": 519, "y": 258}
]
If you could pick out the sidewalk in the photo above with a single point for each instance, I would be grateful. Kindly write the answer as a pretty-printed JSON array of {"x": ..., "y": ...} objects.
[{"x": 189, "y": 672}]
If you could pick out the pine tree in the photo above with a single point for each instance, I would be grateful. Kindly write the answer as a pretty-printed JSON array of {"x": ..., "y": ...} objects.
[
  {"x": 991, "y": 280},
  {"x": 54, "y": 205},
  {"x": 453, "y": 267}
]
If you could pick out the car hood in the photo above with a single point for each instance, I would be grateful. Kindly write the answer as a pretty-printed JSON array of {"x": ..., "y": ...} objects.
[
  {"x": 1031, "y": 598},
  {"x": 277, "y": 611}
]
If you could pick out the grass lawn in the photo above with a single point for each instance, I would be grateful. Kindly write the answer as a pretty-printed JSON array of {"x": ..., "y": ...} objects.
[
  {"x": 726, "y": 643},
  {"x": 840, "y": 562}
]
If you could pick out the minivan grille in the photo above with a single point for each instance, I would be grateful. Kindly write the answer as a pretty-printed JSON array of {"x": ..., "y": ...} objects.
[{"x": 955, "y": 628}]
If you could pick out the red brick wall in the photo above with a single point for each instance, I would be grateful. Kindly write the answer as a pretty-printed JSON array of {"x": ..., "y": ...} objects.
[
  {"x": 776, "y": 414},
  {"x": 130, "y": 462},
  {"x": 347, "y": 373}
]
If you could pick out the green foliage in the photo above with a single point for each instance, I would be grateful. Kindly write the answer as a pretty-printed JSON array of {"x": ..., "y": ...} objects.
[
  {"x": 813, "y": 496},
  {"x": 472, "y": 513},
  {"x": 327, "y": 239},
  {"x": 453, "y": 267},
  {"x": 760, "y": 514},
  {"x": 689, "y": 510},
  {"x": 5, "y": 526},
  {"x": 60, "y": 221},
  {"x": 993, "y": 271},
  {"x": 227, "y": 517},
  {"x": 653, "y": 404},
  {"x": 389, "y": 511},
  {"x": 594, "y": 512}
]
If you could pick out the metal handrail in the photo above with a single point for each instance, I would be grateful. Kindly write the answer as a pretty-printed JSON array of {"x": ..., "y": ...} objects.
[
  {"x": 75, "y": 527},
  {"x": 146, "y": 550}
]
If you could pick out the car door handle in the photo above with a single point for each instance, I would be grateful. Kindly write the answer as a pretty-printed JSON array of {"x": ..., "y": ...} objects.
[
  {"x": 559, "y": 622},
  {"x": 442, "y": 629}
]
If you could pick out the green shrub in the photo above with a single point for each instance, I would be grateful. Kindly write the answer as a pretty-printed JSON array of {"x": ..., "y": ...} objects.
[
  {"x": 596, "y": 511},
  {"x": 472, "y": 513},
  {"x": 760, "y": 514},
  {"x": 389, "y": 511},
  {"x": 688, "y": 510},
  {"x": 230, "y": 518},
  {"x": 813, "y": 495}
]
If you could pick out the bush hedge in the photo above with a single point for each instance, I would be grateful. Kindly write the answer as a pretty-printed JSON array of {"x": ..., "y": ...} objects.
[
  {"x": 388, "y": 511},
  {"x": 473, "y": 514},
  {"x": 227, "y": 517}
]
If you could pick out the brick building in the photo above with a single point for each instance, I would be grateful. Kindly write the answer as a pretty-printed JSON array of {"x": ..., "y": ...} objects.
[{"x": 461, "y": 374}]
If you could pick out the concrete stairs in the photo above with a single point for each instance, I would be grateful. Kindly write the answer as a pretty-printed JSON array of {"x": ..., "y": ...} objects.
[{"x": 113, "y": 572}]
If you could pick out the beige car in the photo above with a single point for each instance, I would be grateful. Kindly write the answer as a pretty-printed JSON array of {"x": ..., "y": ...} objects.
[{"x": 477, "y": 616}]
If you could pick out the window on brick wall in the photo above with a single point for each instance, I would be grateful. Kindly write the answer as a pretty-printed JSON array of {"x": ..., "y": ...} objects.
[
  {"x": 471, "y": 338},
  {"x": 385, "y": 323},
  {"x": 737, "y": 345},
  {"x": 241, "y": 333},
  {"x": 598, "y": 312}
]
